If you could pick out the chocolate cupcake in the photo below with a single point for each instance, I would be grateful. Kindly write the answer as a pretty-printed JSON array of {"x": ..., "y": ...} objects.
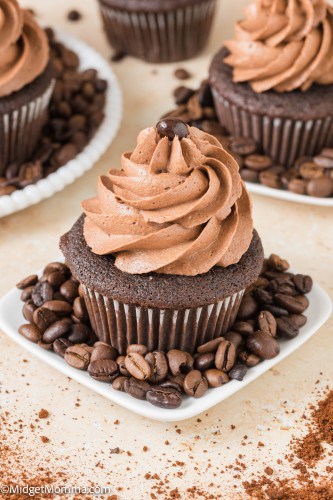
[
  {"x": 274, "y": 81},
  {"x": 167, "y": 248},
  {"x": 158, "y": 30},
  {"x": 26, "y": 83}
]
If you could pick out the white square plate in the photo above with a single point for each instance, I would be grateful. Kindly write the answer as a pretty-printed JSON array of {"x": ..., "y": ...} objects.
[{"x": 11, "y": 318}]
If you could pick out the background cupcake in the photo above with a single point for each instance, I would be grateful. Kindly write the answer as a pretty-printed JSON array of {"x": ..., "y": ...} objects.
[
  {"x": 158, "y": 30},
  {"x": 274, "y": 81},
  {"x": 26, "y": 83},
  {"x": 167, "y": 248}
]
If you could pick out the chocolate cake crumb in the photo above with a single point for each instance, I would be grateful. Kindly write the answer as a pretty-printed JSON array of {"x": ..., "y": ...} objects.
[{"x": 43, "y": 413}]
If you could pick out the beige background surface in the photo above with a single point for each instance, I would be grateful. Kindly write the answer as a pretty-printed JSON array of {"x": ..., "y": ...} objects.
[{"x": 82, "y": 436}]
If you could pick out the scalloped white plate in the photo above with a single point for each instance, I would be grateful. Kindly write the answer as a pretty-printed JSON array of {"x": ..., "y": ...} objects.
[
  {"x": 89, "y": 58},
  {"x": 288, "y": 195},
  {"x": 11, "y": 318}
]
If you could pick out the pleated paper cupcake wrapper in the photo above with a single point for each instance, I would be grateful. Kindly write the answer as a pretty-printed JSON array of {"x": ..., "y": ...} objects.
[
  {"x": 159, "y": 37},
  {"x": 283, "y": 139},
  {"x": 121, "y": 324},
  {"x": 20, "y": 129}
]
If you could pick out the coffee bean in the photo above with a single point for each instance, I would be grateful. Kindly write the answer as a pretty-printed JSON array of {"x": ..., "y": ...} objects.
[
  {"x": 78, "y": 356},
  {"x": 195, "y": 384},
  {"x": 27, "y": 282},
  {"x": 59, "y": 307},
  {"x": 248, "y": 307},
  {"x": 258, "y": 162},
  {"x": 172, "y": 127},
  {"x": 285, "y": 287},
  {"x": 243, "y": 327},
  {"x": 30, "y": 173},
  {"x": 234, "y": 337},
  {"x": 46, "y": 347},
  {"x": 205, "y": 96},
  {"x": 322, "y": 187},
  {"x": 139, "y": 348},
  {"x": 137, "y": 366},
  {"x": 56, "y": 330},
  {"x": 56, "y": 278},
  {"x": 103, "y": 351},
  {"x": 136, "y": 388},
  {"x": 69, "y": 290},
  {"x": 238, "y": 372},
  {"x": 120, "y": 360},
  {"x": 182, "y": 94},
  {"x": 74, "y": 15},
  {"x": 211, "y": 346},
  {"x": 179, "y": 361},
  {"x": 272, "y": 275},
  {"x": 182, "y": 74},
  {"x": 297, "y": 186},
  {"x": 303, "y": 283},
  {"x": 56, "y": 266},
  {"x": 263, "y": 345},
  {"x": 164, "y": 397},
  {"x": 43, "y": 292},
  {"x": 26, "y": 293},
  {"x": 243, "y": 146},
  {"x": 80, "y": 309},
  {"x": 61, "y": 345},
  {"x": 286, "y": 328},
  {"x": 204, "y": 361},
  {"x": 325, "y": 159},
  {"x": 277, "y": 264},
  {"x": 79, "y": 333},
  {"x": 28, "y": 311},
  {"x": 44, "y": 318},
  {"x": 225, "y": 356},
  {"x": 178, "y": 379},
  {"x": 216, "y": 378},
  {"x": 103, "y": 370},
  {"x": 310, "y": 170},
  {"x": 263, "y": 296},
  {"x": 158, "y": 366},
  {"x": 267, "y": 323},
  {"x": 276, "y": 310},
  {"x": 298, "y": 320},
  {"x": 249, "y": 175},
  {"x": 296, "y": 304},
  {"x": 171, "y": 384},
  {"x": 30, "y": 332},
  {"x": 119, "y": 383},
  {"x": 270, "y": 179}
]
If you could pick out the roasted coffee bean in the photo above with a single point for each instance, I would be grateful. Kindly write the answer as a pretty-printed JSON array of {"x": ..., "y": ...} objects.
[
  {"x": 216, "y": 378},
  {"x": 225, "y": 356},
  {"x": 26, "y": 293},
  {"x": 137, "y": 366},
  {"x": 30, "y": 332},
  {"x": 78, "y": 356},
  {"x": 61, "y": 345},
  {"x": 261, "y": 282},
  {"x": 122, "y": 368},
  {"x": 182, "y": 74},
  {"x": 249, "y": 175},
  {"x": 298, "y": 320},
  {"x": 28, "y": 310},
  {"x": 303, "y": 283},
  {"x": 276, "y": 310},
  {"x": 177, "y": 379},
  {"x": 195, "y": 384},
  {"x": 182, "y": 94},
  {"x": 58, "y": 329},
  {"x": 310, "y": 170},
  {"x": 285, "y": 287},
  {"x": 234, "y": 337},
  {"x": 30, "y": 173},
  {"x": 43, "y": 292},
  {"x": 297, "y": 186},
  {"x": 59, "y": 307},
  {"x": 295, "y": 305},
  {"x": 27, "y": 282},
  {"x": 272, "y": 275},
  {"x": 103, "y": 351},
  {"x": 270, "y": 179},
  {"x": 205, "y": 96},
  {"x": 243, "y": 146},
  {"x": 286, "y": 328},
  {"x": 79, "y": 333},
  {"x": 243, "y": 327},
  {"x": 69, "y": 290},
  {"x": 74, "y": 15},
  {"x": 139, "y": 348},
  {"x": 210, "y": 346},
  {"x": 263, "y": 296},
  {"x": 56, "y": 279},
  {"x": 171, "y": 384},
  {"x": 119, "y": 383},
  {"x": 263, "y": 345},
  {"x": 158, "y": 366},
  {"x": 258, "y": 162},
  {"x": 248, "y": 358},
  {"x": 80, "y": 309},
  {"x": 46, "y": 347},
  {"x": 172, "y": 127},
  {"x": 103, "y": 370},
  {"x": 56, "y": 266},
  {"x": 238, "y": 372},
  {"x": 136, "y": 388},
  {"x": 248, "y": 307},
  {"x": 277, "y": 264},
  {"x": 164, "y": 397},
  {"x": 267, "y": 323},
  {"x": 204, "y": 361},
  {"x": 44, "y": 318},
  {"x": 179, "y": 361}
]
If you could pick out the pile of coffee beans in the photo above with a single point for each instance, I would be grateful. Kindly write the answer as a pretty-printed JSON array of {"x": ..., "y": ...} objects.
[
  {"x": 272, "y": 309},
  {"x": 311, "y": 176},
  {"x": 75, "y": 113}
]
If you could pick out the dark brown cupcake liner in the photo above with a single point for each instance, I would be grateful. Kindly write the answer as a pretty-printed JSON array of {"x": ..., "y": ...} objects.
[
  {"x": 21, "y": 128},
  {"x": 283, "y": 139},
  {"x": 169, "y": 36},
  {"x": 122, "y": 324}
]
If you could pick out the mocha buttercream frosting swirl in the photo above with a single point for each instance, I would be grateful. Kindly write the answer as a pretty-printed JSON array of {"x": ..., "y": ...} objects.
[
  {"x": 283, "y": 45},
  {"x": 24, "y": 48},
  {"x": 176, "y": 207}
]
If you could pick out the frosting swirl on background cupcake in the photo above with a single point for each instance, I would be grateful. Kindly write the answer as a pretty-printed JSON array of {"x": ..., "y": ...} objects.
[
  {"x": 283, "y": 45},
  {"x": 176, "y": 207},
  {"x": 24, "y": 48}
]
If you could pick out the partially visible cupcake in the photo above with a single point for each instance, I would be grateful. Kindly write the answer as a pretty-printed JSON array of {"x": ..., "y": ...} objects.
[
  {"x": 167, "y": 248},
  {"x": 158, "y": 30},
  {"x": 26, "y": 83},
  {"x": 274, "y": 81}
]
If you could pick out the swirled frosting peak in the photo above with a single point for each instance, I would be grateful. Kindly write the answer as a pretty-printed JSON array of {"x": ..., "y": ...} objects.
[
  {"x": 283, "y": 45},
  {"x": 176, "y": 207},
  {"x": 24, "y": 49}
]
